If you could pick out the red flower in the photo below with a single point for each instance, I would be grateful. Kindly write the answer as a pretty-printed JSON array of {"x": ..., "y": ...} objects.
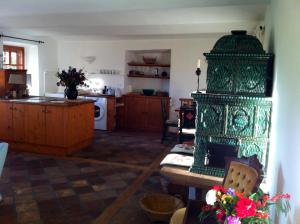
[
  {"x": 262, "y": 214},
  {"x": 280, "y": 196},
  {"x": 245, "y": 207},
  {"x": 219, "y": 215},
  {"x": 219, "y": 188},
  {"x": 266, "y": 197}
]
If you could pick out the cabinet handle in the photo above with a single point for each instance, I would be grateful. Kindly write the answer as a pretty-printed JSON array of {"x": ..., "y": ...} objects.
[
  {"x": 11, "y": 108},
  {"x": 15, "y": 108}
]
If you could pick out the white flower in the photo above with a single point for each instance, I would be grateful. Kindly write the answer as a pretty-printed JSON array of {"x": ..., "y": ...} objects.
[{"x": 211, "y": 197}]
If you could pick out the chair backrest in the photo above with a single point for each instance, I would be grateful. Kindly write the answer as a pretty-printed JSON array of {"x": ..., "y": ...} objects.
[
  {"x": 164, "y": 111},
  {"x": 3, "y": 152},
  {"x": 243, "y": 174},
  {"x": 186, "y": 102},
  {"x": 188, "y": 116}
]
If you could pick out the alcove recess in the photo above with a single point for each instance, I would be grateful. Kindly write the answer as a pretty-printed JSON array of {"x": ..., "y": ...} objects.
[{"x": 147, "y": 74}]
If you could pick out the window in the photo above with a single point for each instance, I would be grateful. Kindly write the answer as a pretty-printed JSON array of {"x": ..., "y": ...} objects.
[{"x": 13, "y": 57}]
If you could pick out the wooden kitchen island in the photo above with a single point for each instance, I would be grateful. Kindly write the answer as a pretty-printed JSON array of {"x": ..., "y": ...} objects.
[{"x": 47, "y": 125}]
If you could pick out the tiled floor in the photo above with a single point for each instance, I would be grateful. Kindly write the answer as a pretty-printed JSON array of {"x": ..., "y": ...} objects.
[{"x": 103, "y": 183}]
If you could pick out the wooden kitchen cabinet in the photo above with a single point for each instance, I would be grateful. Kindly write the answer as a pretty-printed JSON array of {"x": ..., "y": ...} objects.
[
  {"x": 55, "y": 126},
  {"x": 34, "y": 123},
  {"x": 48, "y": 128},
  {"x": 143, "y": 113},
  {"x": 18, "y": 122},
  {"x": 6, "y": 121}
]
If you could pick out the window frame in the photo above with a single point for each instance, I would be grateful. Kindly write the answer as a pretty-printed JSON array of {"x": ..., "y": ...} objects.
[{"x": 20, "y": 60}]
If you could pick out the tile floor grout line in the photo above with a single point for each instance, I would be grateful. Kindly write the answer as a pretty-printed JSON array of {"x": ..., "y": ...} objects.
[
  {"x": 110, "y": 211},
  {"x": 93, "y": 161}
]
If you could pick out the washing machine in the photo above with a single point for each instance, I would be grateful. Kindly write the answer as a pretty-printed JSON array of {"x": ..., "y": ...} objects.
[{"x": 100, "y": 116}]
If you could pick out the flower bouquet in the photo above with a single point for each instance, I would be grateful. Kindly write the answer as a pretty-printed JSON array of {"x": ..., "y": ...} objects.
[
  {"x": 71, "y": 79},
  {"x": 227, "y": 206}
]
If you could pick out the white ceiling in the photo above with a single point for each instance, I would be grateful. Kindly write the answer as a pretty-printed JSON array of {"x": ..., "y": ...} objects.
[{"x": 125, "y": 19}]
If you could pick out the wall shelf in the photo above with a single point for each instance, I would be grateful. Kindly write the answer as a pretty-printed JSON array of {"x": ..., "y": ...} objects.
[
  {"x": 148, "y": 76},
  {"x": 149, "y": 65}
]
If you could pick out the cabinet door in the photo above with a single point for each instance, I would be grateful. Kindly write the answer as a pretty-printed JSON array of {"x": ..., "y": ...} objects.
[
  {"x": 154, "y": 114},
  {"x": 18, "y": 122},
  {"x": 55, "y": 126},
  {"x": 6, "y": 122},
  {"x": 34, "y": 124},
  {"x": 135, "y": 113}
]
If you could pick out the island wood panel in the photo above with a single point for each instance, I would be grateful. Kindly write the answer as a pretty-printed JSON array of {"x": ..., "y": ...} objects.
[
  {"x": 6, "y": 121},
  {"x": 55, "y": 126},
  {"x": 88, "y": 118},
  {"x": 35, "y": 124},
  {"x": 79, "y": 123},
  {"x": 18, "y": 122},
  {"x": 72, "y": 126}
]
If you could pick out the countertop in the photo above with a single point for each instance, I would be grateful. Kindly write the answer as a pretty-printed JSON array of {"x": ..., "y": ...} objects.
[
  {"x": 52, "y": 101},
  {"x": 97, "y": 95}
]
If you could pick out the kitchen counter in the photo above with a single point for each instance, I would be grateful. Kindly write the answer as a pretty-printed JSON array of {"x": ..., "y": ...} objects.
[
  {"x": 97, "y": 95},
  {"x": 50, "y": 101},
  {"x": 54, "y": 126}
]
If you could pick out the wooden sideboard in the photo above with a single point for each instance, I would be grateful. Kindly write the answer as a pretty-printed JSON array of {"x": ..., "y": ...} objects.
[{"x": 143, "y": 113}]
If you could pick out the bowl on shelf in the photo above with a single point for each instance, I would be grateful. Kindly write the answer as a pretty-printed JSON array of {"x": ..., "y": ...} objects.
[
  {"x": 148, "y": 92},
  {"x": 149, "y": 60},
  {"x": 160, "y": 207}
]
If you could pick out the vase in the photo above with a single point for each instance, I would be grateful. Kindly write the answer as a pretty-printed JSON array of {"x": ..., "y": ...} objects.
[{"x": 71, "y": 93}]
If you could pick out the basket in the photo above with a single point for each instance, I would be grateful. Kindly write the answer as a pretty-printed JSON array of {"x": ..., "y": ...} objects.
[
  {"x": 160, "y": 207},
  {"x": 149, "y": 60}
]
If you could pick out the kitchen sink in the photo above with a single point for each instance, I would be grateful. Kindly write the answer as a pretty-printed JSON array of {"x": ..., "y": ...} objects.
[{"x": 56, "y": 101}]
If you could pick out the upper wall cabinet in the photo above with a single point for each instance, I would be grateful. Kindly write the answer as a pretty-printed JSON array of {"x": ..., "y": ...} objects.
[{"x": 149, "y": 64}]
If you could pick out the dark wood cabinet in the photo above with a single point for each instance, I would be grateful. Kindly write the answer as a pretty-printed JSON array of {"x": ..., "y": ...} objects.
[
  {"x": 143, "y": 113},
  {"x": 4, "y": 77}
]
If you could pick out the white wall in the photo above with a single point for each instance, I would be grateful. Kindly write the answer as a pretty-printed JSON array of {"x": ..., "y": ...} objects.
[
  {"x": 47, "y": 60},
  {"x": 283, "y": 40},
  {"x": 111, "y": 55}
]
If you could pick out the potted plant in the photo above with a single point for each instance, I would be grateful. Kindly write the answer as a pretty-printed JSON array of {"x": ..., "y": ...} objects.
[
  {"x": 71, "y": 79},
  {"x": 227, "y": 206}
]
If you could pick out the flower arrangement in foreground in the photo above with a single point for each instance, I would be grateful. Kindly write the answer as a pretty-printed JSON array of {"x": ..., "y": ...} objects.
[{"x": 227, "y": 206}]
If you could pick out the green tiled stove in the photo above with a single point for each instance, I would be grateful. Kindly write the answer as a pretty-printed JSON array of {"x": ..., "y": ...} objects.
[{"x": 234, "y": 115}]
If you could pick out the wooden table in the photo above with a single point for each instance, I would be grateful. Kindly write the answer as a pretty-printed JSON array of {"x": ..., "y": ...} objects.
[{"x": 181, "y": 176}]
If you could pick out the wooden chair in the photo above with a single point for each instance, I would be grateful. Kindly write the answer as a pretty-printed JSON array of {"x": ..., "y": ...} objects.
[
  {"x": 243, "y": 174},
  {"x": 187, "y": 123},
  {"x": 186, "y": 102},
  {"x": 165, "y": 118}
]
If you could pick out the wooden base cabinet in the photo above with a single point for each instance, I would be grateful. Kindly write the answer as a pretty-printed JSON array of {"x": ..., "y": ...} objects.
[
  {"x": 47, "y": 129},
  {"x": 144, "y": 113},
  {"x": 6, "y": 121}
]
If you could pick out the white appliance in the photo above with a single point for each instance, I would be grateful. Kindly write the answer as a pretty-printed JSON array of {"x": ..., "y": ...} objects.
[{"x": 100, "y": 116}]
